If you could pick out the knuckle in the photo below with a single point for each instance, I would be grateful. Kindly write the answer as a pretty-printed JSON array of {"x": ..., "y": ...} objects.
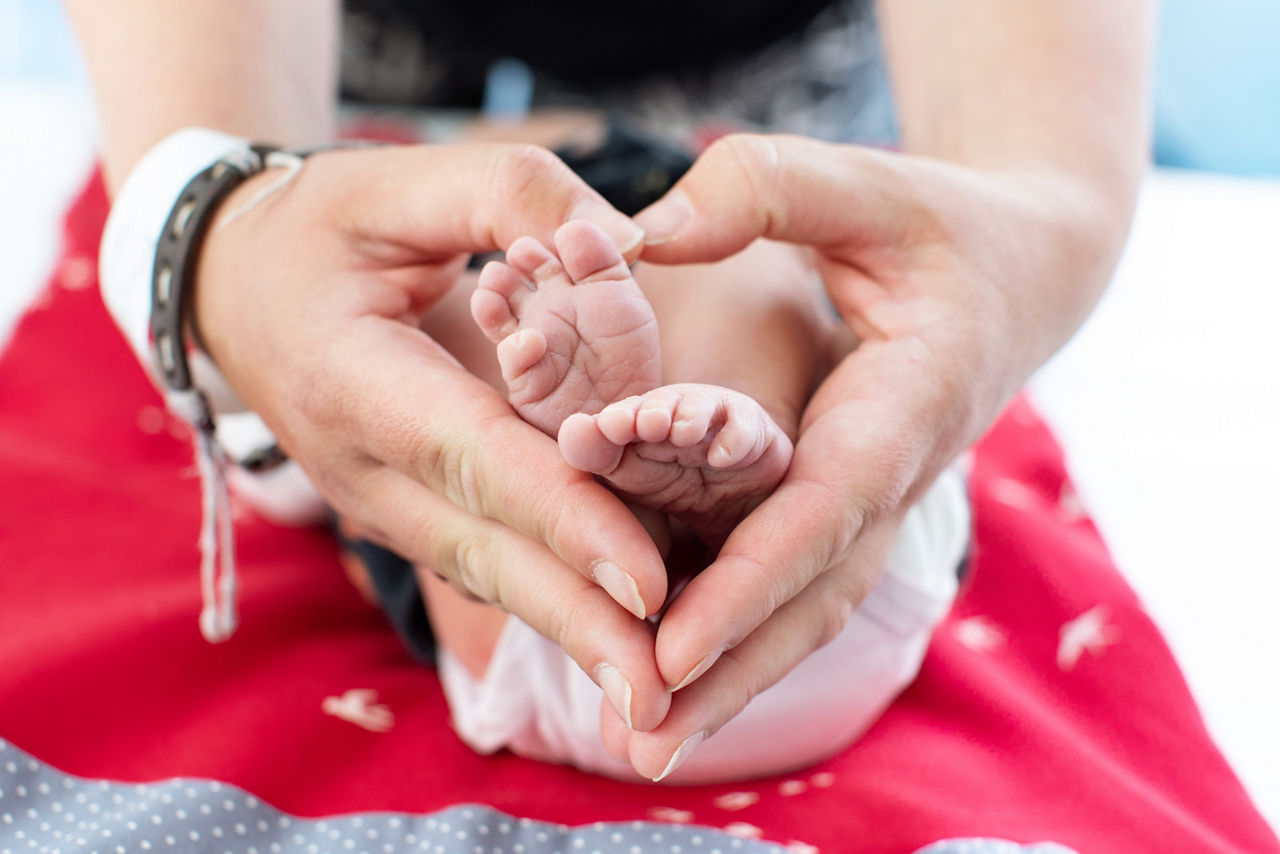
[
  {"x": 555, "y": 519},
  {"x": 517, "y": 179},
  {"x": 743, "y": 683},
  {"x": 569, "y": 623},
  {"x": 447, "y": 462},
  {"x": 521, "y": 169},
  {"x": 470, "y": 560},
  {"x": 758, "y": 159},
  {"x": 434, "y": 459},
  {"x": 833, "y": 620},
  {"x": 749, "y": 150},
  {"x": 890, "y": 477}
]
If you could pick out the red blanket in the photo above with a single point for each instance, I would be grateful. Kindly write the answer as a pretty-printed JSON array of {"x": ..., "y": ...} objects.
[{"x": 1049, "y": 708}]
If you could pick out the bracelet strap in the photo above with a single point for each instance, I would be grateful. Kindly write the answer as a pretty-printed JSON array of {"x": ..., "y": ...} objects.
[
  {"x": 177, "y": 255},
  {"x": 176, "y": 258},
  {"x": 147, "y": 263}
]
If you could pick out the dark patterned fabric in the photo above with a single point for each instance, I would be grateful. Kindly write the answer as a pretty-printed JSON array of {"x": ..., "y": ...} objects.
[
  {"x": 799, "y": 66},
  {"x": 580, "y": 42}
]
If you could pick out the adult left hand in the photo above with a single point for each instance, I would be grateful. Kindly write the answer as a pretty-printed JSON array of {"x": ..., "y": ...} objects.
[{"x": 958, "y": 283}]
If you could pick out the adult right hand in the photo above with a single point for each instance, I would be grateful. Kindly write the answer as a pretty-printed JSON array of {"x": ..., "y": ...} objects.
[
  {"x": 310, "y": 302},
  {"x": 958, "y": 282}
]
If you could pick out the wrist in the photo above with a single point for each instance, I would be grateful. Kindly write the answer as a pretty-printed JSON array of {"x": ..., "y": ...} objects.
[
  {"x": 137, "y": 219},
  {"x": 210, "y": 310},
  {"x": 1067, "y": 237},
  {"x": 1090, "y": 221},
  {"x": 139, "y": 241}
]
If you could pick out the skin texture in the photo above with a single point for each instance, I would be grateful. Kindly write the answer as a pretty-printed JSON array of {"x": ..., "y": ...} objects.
[
  {"x": 960, "y": 273},
  {"x": 581, "y": 359},
  {"x": 419, "y": 453},
  {"x": 961, "y": 265},
  {"x": 263, "y": 69},
  {"x": 306, "y": 300}
]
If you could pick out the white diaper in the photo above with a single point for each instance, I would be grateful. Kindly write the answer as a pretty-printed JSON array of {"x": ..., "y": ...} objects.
[{"x": 536, "y": 702}]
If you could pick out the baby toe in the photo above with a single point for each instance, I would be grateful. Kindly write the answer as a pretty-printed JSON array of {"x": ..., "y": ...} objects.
[
  {"x": 496, "y": 299},
  {"x": 741, "y": 440},
  {"x": 519, "y": 352},
  {"x": 692, "y": 419},
  {"x": 588, "y": 254},
  {"x": 654, "y": 418},
  {"x": 585, "y": 447},
  {"x": 534, "y": 261},
  {"x": 617, "y": 421}
]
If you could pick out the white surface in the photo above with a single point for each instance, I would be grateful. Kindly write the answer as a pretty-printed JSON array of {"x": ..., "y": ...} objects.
[
  {"x": 1168, "y": 406},
  {"x": 46, "y": 145},
  {"x": 1168, "y": 403}
]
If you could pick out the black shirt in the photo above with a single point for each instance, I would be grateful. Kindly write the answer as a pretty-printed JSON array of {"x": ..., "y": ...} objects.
[{"x": 585, "y": 43}]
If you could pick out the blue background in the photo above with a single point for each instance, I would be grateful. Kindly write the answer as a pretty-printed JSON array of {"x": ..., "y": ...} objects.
[{"x": 1217, "y": 90}]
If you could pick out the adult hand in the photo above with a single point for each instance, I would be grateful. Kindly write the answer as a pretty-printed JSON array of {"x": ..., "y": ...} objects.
[
  {"x": 957, "y": 283},
  {"x": 310, "y": 302}
]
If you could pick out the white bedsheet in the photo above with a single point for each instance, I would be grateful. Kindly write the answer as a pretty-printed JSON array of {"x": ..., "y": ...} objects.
[{"x": 1168, "y": 404}]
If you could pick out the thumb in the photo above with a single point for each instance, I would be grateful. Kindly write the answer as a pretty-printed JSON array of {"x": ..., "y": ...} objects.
[
  {"x": 446, "y": 200},
  {"x": 786, "y": 188}
]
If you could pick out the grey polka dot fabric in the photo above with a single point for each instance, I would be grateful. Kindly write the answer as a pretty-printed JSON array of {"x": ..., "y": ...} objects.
[{"x": 44, "y": 810}]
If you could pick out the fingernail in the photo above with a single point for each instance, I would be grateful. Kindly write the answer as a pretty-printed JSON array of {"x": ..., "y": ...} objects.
[
  {"x": 625, "y": 234},
  {"x": 683, "y": 752},
  {"x": 664, "y": 219},
  {"x": 617, "y": 689},
  {"x": 620, "y": 586},
  {"x": 703, "y": 667},
  {"x": 719, "y": 456}
]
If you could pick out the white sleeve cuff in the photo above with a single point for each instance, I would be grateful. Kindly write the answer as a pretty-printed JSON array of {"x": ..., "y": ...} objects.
[
  {"x": 138, "y": 216},
  {"x": 125, "y": 267}
]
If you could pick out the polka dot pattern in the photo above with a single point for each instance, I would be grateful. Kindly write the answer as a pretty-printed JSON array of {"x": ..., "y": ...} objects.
[{"x": 44, "y": 810}]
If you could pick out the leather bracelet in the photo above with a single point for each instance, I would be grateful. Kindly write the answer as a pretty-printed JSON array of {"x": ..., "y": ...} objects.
[
  {"x": 176, "y": 258},
  {"x": 177, "y": 255}
]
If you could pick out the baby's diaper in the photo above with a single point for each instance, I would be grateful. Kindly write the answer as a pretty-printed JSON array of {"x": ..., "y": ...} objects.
[{"x": 535, "y": 701}]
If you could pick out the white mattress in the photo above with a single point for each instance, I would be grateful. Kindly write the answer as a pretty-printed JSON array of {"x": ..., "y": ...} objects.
[{"x": 1168, "y": 403}]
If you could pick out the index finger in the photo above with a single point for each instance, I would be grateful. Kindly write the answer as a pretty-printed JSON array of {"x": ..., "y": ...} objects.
[
  {"x": 812, "y": 619},
  {"x": 411, "y": 406},
  {"x": 504, "y": 568},
  {"x": 475, "y": 197}
]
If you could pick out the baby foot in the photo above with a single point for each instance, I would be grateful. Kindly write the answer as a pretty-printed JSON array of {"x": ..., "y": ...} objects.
[
  {"x": 705, "y": 454},
  {"x": 581, "y": 336}
]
